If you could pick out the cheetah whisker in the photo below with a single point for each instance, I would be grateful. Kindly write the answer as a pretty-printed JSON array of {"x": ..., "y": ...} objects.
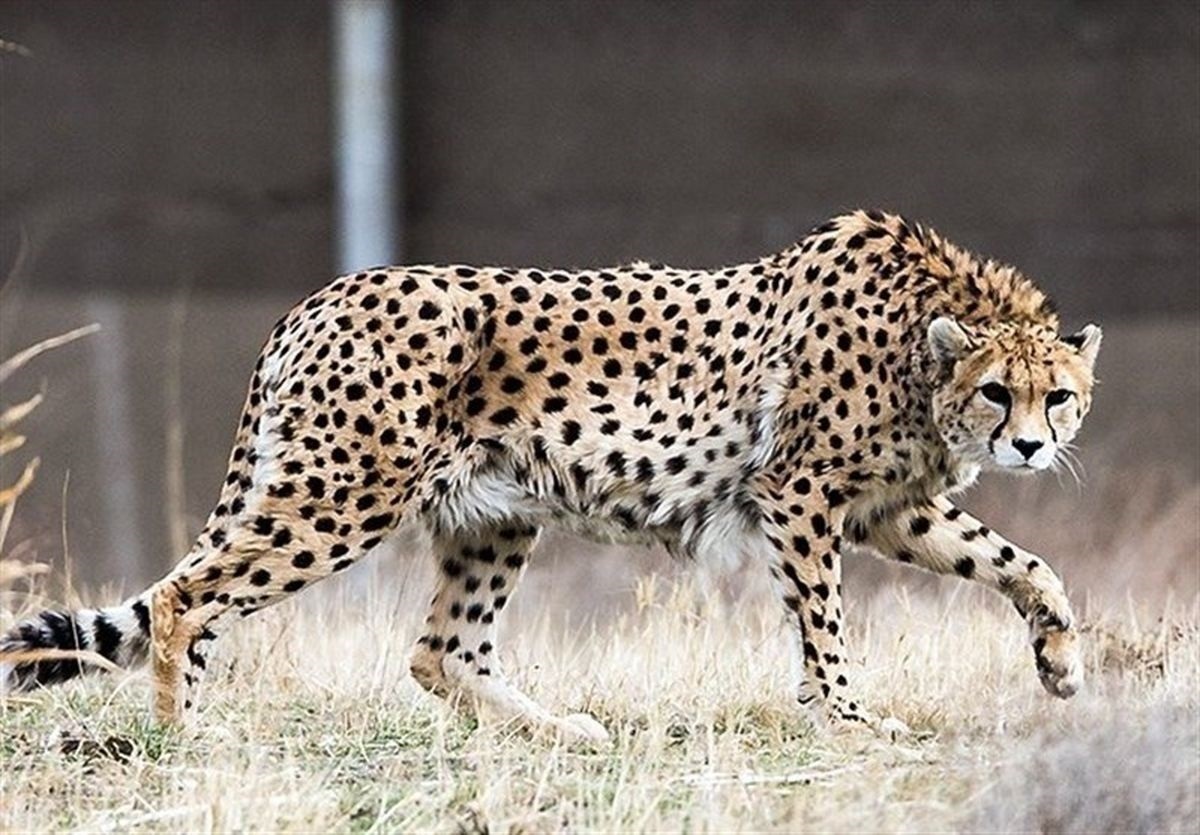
[
  {"x": 1067, "y": 458},
  {"x": 1058, "y": 467}
]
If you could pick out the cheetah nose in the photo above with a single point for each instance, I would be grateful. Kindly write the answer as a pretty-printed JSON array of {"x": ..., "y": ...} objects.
[{"x": 1027, "y": 448}]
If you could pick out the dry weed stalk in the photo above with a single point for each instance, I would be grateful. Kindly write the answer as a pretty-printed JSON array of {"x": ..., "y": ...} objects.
[{"x": 11, "y": 439}]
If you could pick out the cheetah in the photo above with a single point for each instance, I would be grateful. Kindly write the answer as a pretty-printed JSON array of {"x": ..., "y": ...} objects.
[{"x": 836, "y": 393}]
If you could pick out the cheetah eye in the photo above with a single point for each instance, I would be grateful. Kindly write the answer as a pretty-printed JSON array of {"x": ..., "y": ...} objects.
[
  {"x": 1059, "y": 397},
  {"x": 996, "y": 393}
]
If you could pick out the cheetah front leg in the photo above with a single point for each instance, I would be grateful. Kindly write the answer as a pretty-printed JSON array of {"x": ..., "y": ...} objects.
[
  {"x": 456, "y": 657},
  {"x": 803, "y": 527},
  {"x": 942, "y": 538}
]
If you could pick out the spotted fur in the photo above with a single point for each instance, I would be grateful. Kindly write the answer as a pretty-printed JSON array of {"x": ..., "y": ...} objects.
[{"x": 838, "y": 390}]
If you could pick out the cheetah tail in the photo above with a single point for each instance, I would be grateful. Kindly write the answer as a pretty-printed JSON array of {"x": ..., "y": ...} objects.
[{"x": 57, "y": 646}]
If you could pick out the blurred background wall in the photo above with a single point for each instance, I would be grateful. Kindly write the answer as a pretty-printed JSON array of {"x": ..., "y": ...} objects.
[{"x": 168, "y": 169}]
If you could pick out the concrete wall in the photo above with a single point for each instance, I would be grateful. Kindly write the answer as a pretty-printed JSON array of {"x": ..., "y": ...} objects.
[
  {"x": 149, "y": 143},
  {"x": 1061, "y": 136}
]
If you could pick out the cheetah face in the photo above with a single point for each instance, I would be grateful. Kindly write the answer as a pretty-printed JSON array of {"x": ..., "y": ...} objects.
[{"x": 1011, "y": 397}]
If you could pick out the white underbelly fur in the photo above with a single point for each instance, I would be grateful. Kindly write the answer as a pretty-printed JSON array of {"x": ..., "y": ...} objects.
[{"x": 721, "y": 541}]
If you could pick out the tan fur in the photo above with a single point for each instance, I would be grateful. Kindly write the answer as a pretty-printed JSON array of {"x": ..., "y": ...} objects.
[
  {"x": 166, "y": 652},
  {"x": 841, "y": 388}
]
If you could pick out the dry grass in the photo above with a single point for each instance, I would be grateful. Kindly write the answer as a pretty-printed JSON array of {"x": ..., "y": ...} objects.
[{"x": 312, "y": 724}]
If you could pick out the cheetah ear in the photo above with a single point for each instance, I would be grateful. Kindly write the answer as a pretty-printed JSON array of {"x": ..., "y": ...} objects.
[
  {"x": 1086, "y": 342},
  {"x": 947, "y": 340}
]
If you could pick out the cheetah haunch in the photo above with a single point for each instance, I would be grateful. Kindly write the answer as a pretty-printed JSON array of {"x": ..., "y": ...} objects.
[{"x": 838, "y": 391}]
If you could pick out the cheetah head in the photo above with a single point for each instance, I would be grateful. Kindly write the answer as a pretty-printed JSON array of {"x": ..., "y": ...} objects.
[{"x": 1010, "y": 396}]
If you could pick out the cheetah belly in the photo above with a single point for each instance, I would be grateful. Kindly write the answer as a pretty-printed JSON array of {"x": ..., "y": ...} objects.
[
  {"x": 690, "y": 525},
  {"x": 496, "y": 495},
  {"x": 719, "y": 544}
]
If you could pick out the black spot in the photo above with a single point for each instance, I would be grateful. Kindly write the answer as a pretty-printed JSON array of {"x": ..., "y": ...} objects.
[
  {"x": 818, "y": 524},
  {"x": 503, "y": 417},
  {"x": 142, "y": 612},
  {"x": 108, "y": 637},
  {"x": 377, "y": 523},
  {"x": 571, "y": 431}
]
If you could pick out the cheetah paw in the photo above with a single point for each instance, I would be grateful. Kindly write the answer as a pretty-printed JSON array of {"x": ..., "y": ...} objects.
[
  {"x": 1059, "y": 665},
  {"x": 580, "y": 727},
  {"x": 892, "y": 728},
  {"x": 864, "y": 726},
  {"x": 870, "y": 733}
]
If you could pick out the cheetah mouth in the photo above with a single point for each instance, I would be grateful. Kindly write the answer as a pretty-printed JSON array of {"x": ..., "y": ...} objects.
[{"x": 1024, "y": 468}]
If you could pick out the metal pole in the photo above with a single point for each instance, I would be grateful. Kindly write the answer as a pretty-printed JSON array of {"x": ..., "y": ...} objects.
[{"x": 366, "y": 148}]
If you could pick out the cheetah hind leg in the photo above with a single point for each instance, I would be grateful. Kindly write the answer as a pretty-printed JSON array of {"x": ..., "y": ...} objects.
[
  {"x": 268, "y": 554},
  {"x": 456, "y": 657}
]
